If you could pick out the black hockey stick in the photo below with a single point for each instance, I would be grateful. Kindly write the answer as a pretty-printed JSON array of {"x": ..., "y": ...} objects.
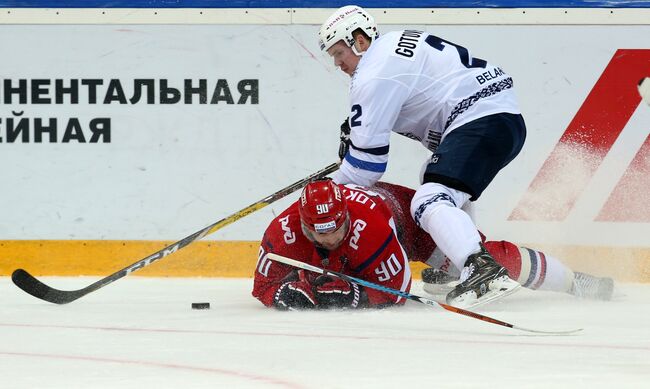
[
  {"x": 419, "y": 299},
  {"x": 36, "y": 288}
]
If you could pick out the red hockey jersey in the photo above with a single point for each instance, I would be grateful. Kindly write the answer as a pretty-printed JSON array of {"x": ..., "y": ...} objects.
[{"x": 370, "y": 250}]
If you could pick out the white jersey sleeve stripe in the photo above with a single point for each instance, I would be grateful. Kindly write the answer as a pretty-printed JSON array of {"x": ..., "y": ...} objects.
[
  {"x": 382, "y": 150},
  {"x": 372, "y": 158},
  {"x": 377, "y": 167}
]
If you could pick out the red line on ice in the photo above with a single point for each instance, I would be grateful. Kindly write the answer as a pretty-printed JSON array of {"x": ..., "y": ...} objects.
[
  {"x": 268, "y": 380},
  {"x": 342, "y": 337}
]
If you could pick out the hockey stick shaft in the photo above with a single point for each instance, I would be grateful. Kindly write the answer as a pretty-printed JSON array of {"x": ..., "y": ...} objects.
[
  {"x": 33, "y": 286},
  {"x": 409, "y": 296}
]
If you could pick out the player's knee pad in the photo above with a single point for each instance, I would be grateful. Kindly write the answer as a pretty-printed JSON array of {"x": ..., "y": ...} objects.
[{"x": 431, "y": 196}]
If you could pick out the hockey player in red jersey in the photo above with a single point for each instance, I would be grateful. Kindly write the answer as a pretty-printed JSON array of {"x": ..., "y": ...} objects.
[
  {"x": 345, "y": 229},
  {"x": 294, "y": 233}
]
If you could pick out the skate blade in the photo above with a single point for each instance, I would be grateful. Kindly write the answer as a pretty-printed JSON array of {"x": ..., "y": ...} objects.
[
  {"x": 439, "y": 290},
  {"x": 604, "y": 291},
  {"x": 499, "y": 288}
]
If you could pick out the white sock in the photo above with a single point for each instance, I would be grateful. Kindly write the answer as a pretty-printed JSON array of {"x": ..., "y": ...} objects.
[
  {"x": 544, "y": 272},
  {"x": 437, "y": 210},
  {"x": 453, "y": 231}
]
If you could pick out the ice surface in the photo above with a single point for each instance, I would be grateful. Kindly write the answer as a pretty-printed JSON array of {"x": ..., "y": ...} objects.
[{"x": 142, "y": 333}]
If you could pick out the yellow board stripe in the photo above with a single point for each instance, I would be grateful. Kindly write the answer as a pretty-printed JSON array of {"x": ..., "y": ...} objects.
[
  {"x": 238, "y": 259},
  {"x": 73, "y": 258}
]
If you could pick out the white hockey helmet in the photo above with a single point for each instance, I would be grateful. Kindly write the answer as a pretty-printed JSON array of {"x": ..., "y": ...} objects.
[{"x": 343, "y": 23}]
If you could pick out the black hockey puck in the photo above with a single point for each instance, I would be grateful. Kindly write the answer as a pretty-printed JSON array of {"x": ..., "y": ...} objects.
[{"x": 200, "y": 305}]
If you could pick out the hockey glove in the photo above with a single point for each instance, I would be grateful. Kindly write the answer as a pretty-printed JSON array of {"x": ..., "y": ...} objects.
[
  {"x": 294, "y": 295},
  {"x": 337, "y": 293},
  {"x": 345, "y": 139}
]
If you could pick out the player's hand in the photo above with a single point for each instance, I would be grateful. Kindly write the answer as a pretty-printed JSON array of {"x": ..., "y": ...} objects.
[
  {"x": 337, "y": 293},
  {"x": 294, "y": 295},
  {"x": 345, "y": 139}
]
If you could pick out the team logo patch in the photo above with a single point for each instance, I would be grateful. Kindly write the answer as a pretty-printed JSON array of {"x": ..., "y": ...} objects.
[{"x": 325, "y": 227}]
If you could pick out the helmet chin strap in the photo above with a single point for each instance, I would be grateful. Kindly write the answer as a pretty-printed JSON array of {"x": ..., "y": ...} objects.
[
  {"x": 353, "y": 45},
  {"x": 356, "y": 52}
]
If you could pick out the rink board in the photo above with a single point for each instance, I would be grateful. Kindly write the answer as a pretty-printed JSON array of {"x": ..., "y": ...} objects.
[
  {"x": 260, "y": 109},
  {"x": 238, "y": 259}
]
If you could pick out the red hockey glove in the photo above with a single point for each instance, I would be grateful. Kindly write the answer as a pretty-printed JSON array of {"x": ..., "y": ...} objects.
[
  {"x": 294, "y": 295},
  {"x": 337, "y": 293}
]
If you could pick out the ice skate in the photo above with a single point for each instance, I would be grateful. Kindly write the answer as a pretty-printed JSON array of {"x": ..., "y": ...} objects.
[
  {"x": 482, "y": 280},
  {"x": 437, "y": 282},
  {"x": 591, "y": 287}
]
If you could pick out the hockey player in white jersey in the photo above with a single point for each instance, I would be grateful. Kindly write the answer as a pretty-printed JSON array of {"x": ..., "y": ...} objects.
[{"x": 461, "y": 108}]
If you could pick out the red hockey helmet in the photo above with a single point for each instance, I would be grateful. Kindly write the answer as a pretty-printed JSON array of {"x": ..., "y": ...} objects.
[{"x": 323, "y": 207}]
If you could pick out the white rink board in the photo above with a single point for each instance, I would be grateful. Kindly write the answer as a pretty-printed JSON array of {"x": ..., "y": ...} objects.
[{"x": 172, "y": 169}]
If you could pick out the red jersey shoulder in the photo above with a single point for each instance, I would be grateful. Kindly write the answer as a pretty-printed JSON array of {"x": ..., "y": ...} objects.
[
  {"x": 284, "y": 230},
  {"x": 373, "y": 201}
]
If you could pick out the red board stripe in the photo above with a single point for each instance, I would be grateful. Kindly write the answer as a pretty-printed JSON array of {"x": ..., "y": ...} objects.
[
  {"x": 584, "y": 144},
  {"x": 629, "y": 200}
]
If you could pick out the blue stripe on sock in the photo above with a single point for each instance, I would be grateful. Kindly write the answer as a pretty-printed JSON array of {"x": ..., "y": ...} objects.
[{"x": 533, "y": 267}]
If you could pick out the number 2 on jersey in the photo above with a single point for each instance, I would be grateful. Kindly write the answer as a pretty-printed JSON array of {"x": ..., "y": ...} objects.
[
  {"x": 356, "y": 113},
  {"x": 463, "y": 53}
]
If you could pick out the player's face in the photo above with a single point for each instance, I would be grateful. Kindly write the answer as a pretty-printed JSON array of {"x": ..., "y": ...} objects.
[
  {"x": 344, "y": 57},
  {"x": 331, "y": 240}
]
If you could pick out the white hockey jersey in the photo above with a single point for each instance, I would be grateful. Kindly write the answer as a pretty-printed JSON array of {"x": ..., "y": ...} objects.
[{"x": 419, "y": 86}]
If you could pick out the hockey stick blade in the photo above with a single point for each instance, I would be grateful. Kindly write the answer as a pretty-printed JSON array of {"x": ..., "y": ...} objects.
[
  {"x": 409, "y": 296},
  {"x": 36, "y": 288}
]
